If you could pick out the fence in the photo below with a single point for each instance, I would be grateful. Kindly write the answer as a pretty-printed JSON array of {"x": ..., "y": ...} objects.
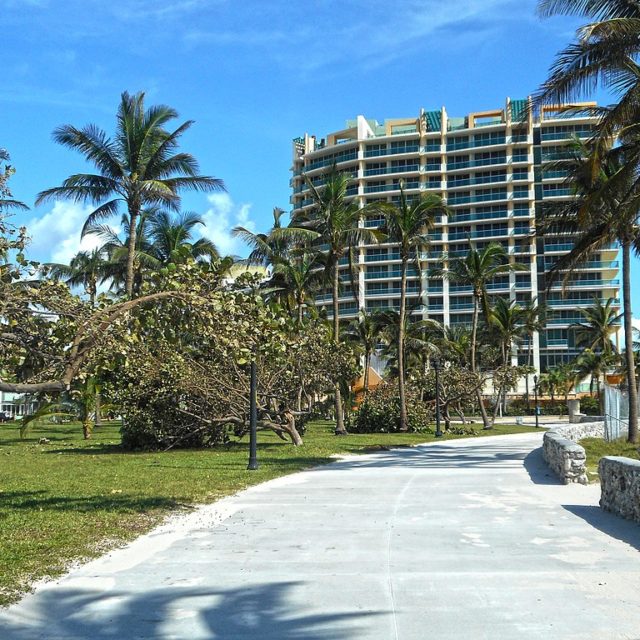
[{"x": 616, "y": 413}]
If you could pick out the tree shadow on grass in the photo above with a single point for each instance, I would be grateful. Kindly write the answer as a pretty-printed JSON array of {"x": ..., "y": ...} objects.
[
  {"x": 266, "y": 611},
  {"x": 122, "y": 503},
  {"x": 609, "y": 523}
]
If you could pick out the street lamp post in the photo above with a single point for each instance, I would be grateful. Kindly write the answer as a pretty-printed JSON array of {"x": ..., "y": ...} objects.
[
  {"x": 253, "y": 419},
  {"x": 435, "y": 362},
  {"x": 535, "y": 393}
]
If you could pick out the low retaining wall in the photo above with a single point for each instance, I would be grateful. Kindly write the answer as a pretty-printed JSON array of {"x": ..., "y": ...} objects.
[
  {"x": 566, "y": 458},
  {"x": 620, "y": 485}
]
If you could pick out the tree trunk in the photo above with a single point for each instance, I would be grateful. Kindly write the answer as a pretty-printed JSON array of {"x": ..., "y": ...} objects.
[
  {"x": 290, "y": 428},
  {"x": 628, "y": 343},
  {"x": 300, "y": 303},
  {"x": 474, "y": 334},
  {"x": 367, "y": 359},
  {"x": 98, "y": 401},
  {"x": 340, "y": 429},
  {"x": 131, "y": 250},
  {"x": 93, "y": 290},
  {"x": 404, "y": 423}
]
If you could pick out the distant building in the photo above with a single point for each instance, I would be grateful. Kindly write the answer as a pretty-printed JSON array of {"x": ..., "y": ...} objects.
[{"x": 492, "y": 168}]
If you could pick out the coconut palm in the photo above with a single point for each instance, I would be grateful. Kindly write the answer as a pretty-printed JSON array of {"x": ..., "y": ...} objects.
[
  {"x": 297, "y": 277},
  {"x": 365, "y": 331},
  {"x": 507, "y": 322},
  {"x": 267, "y": 249},
  {"x": 600, "y": 324},
  {"x": 476, "y": 270},
  {"x": 408, "y": 224},
  {"x": 606, "y": 210},
  {"x": 172, "y": 238},
  {"x": 116, "y": 249},
  {"x": 334, "y": 223},
  {"x": 86, "y": 269},
  {"x": 140, "y": 167},
  {"x": 422, "y": 340},
  {"x": 594, "y": 364},
  {"x": 605, "y": 55},
  {"x": 533, "y": 322}
]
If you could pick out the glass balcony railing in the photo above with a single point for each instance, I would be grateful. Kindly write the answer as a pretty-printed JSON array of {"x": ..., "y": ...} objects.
[
  {"x": 574, "y": 284},
  {"x": 565, "y": 135},
  {"x": 554, "y": 193},
  {"x": 461, "y": 307},
  {"x": 548, "y": 248},
  {"x": 387, "y": 170},
  {"x": 479, "y": 197},
  {"x": 471, "y": 217},
  {"x": 612, "y": 264},
  {"x": 576, "y": 301},
  {"x": 380, "y": 257},
  {"x": 480, "y": 180},
  {"x": 480, "y": 162},
  {"x": 557, "y": 342}
]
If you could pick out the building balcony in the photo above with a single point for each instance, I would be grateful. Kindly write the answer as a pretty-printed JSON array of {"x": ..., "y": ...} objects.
[{"x": 413, "y": 168}]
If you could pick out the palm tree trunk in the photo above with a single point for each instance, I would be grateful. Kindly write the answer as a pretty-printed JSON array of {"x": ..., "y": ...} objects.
[
  {"x": 474, "y": 337},
  {"x": 93, "y": 289},
  {"x": 300, "y": 304},
  {"x": 133, "y": 222},
  {"x": 404, "y": 425},
  {"x": 628, "y": 343},
  {"x": 367, "y": 360},
  {"x": 340, "y": 430}
]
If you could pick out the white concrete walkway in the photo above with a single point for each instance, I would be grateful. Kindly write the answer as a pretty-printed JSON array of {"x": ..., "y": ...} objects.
[{"x": 469, "y": 539}]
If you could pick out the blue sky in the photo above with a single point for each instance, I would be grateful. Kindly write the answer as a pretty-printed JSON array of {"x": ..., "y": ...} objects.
[{"x": 253, "y": 75}]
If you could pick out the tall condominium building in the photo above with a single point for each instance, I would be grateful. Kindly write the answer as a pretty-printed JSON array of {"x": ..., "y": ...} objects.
[{"x": 496, "y": 170}]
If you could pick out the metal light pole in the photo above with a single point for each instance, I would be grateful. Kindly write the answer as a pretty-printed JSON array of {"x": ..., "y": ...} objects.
[
  {"x": 253, "y": 419},
  {"x": 436, "y": 367},
  {"x": 535, "y": 393}
]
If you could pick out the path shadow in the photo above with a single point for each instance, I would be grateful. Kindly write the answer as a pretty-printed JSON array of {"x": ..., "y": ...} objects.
[
  {"x": 607, "y": 522},
  {"x": 267, "y": 611},
  {"x": 538, "y": 469},
  {"x": 503, "y": 456}
]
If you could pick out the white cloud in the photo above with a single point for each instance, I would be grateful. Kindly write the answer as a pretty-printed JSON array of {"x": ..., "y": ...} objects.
[
  {"x": 221, "y": 217},
  {"x": 55, "y": 236}
]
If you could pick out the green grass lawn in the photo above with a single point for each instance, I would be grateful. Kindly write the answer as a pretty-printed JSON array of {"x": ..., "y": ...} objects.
[
  {"x": 596, "y": 448},
  {"x": 73, "y": 499}
]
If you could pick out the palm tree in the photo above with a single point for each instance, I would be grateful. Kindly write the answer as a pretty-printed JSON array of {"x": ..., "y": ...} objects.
[
  {"x": 86, "y": 269},
  {"x": 422, "y": 340},
  {"x": 139, "y": 166},
  {"x": 116, "y": 248},
  {"x": 606, "y": 210},
  {"x": 507, "y": 320},
  {"x": 334, "y": 222},
  {"x": 365, "y": 331},
  {"x": 269, "y": 248},
  {"x": 476, "y": 270},
  {"x": 533, "y": 322},
  {"x": 594, "y": 364},
  {"x": 605, "y": 55},
  {"x": 599, "y": 325},
  {"x": 172, "y": 238},
  {"x": 408, "y": 225},
  {"x": 298, "y": 277}
]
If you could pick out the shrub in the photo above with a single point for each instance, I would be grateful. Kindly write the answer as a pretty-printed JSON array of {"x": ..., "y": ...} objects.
[
  {"x": 590, "y": 406},
  {"x": 380, "y": 412}
]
